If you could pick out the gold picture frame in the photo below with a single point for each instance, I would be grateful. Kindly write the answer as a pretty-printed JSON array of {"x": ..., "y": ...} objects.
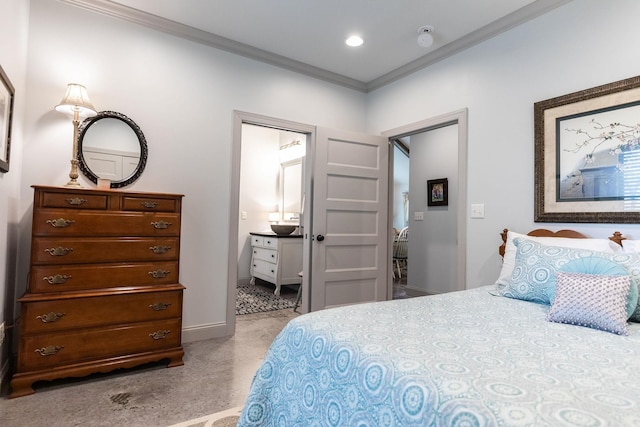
[
  {"x": 7, "y": 93},
  {"x": 586, "y": 145}
]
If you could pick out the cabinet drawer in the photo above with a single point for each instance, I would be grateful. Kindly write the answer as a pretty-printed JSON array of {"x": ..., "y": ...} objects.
[
  {"x": 49, "y": 250},
  {"x": 60, "y": 348},
  {"x": 62, "y": 278},
  {"x": 257, "y": 241},
  {"x": 87, "y": 312},
  {"x": 149, "y": 204},
  {"x": 269, "y": 255},
  {"x": 264, "y": 268},
  {"x": 270, "y": 242},
  {"x": 264, "y": 242},
  {"x": 59, "y": 222},
  {"x": 75, "y": 201}
]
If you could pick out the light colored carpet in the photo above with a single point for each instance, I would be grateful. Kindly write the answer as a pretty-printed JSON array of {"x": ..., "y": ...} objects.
[{"x": 227, "y": 418}]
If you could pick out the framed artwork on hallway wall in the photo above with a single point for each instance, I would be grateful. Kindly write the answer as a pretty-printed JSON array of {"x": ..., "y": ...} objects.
[
  {"x": 438, "y": 192},
  {"x": 7, "y": 93},
  {"x": 587, "y": 155}
]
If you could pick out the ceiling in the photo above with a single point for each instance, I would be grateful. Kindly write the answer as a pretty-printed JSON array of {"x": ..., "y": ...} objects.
[{"x": 308, "y": 36}]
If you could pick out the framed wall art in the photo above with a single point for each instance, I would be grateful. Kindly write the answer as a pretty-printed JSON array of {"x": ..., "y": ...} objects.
[
  {"x": 438, "y": 192},
  {"x": 587, "y": 155},
  {"x": 7, "y": 93}
]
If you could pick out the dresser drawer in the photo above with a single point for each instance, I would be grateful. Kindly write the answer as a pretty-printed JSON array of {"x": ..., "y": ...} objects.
[
  {"x": 58, "y": 222},
  {"x": 270, "y": 255},
  {"x": 62, "y": 278},
  {"x": 75, "y": 201},
  {"x": 264, "y": 242},
  {"x": 87, "y": 312},
  {"x": 257, "y": 241},
  {"x": 49, "y": 250},
  {"x": 150, "y": 204},
  {"x": 60, "y": 348},
  {"x": 263, "y": 267}
]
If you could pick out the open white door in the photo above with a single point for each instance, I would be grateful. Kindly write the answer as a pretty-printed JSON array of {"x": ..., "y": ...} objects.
[{"x": 349, "y": 234}]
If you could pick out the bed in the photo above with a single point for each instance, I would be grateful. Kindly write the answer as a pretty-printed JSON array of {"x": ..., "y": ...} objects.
[{"x": 477, "y": 357}]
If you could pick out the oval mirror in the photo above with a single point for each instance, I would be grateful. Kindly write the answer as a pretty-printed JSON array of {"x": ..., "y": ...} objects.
[{"x": 111, "y": 146}]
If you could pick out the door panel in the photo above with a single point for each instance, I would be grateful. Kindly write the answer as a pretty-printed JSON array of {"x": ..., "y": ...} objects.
[{"x": 350, "y": 199}]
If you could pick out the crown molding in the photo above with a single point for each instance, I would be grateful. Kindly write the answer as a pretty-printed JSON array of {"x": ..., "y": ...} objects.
[
  {"x": 115, "y": 10},
  {"x": 518, "y": 17},
  {"x": 109, "y": 8}
]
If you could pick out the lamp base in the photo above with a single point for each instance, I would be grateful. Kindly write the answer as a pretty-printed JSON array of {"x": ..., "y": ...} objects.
[{"x": 73, "y": 184}]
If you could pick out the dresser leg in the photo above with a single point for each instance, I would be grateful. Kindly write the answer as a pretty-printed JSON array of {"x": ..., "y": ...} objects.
[{"x": 21, "y": 387}]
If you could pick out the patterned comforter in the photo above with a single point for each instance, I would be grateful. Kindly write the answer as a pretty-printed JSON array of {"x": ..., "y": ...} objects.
[{"x": 460, "y": 359}]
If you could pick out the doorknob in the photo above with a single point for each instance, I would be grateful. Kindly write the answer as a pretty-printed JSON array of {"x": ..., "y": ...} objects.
[{"x": 320, "y": 238}]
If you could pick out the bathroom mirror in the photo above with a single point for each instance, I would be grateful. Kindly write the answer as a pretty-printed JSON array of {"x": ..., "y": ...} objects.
[
  {"x": 111, "y": 146},
  {"x": 291, "y": 188}
]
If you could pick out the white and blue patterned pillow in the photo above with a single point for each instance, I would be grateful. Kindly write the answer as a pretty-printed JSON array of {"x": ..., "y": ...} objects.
[
  {"x": 591, "y": 300},
  {"x": 600, "y": 266},
  {"x": 536, "y": 267}
]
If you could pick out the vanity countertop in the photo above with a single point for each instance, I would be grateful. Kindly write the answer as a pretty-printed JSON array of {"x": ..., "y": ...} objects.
[{"x": 272, "y": 234}]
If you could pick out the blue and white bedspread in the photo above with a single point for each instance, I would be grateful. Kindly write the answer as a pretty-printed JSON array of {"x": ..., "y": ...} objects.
[{"x": 460, "y": 359}]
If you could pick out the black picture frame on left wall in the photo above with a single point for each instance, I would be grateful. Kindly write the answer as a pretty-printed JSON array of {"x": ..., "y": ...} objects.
[
  {"x": 438, "y": 192},
  {"x": 7, "y": 95}
]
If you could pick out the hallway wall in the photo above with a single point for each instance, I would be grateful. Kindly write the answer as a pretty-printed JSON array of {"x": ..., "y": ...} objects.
[{"x": 499, "y": 80}]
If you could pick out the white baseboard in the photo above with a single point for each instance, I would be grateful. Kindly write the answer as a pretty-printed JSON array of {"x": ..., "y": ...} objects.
[
  {"x": 415, "y": 292},
  {"x": 204, "y": 332}
]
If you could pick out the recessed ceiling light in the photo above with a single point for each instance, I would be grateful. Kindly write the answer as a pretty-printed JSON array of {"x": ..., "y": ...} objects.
[{"x": 354, "y": 41}]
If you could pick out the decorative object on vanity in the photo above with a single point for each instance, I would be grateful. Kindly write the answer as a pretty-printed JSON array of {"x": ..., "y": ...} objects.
[
  {"x": 112, "y": 146},
  {"x": 438, "y": 192},
  {"x": 587, "y": 147},
  {"x": 283, "y": 229},
  {"x": 276, "y": 259},
  {"x": 76, "y": 104},
  {"x": 103, "y": 290},
  {"x": 7, "y": 93}
]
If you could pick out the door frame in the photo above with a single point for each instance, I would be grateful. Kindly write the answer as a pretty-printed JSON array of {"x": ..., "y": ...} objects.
[
  {"x": 459, "y": 117},
  {"x": 239, "y": 118}
]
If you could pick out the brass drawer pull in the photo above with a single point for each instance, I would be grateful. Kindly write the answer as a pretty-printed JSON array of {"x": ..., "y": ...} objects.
[
  {"x": 49, "y": 350},
  {"x": 76, "y": 201},
  {"x": 160, "y": 249},
  {"x": 159, "y": 225},
  {"x": 60, "y": 222},
  {"x": 159, "y": 274},
  {"x": 59, "y": 251},
  {"x": 159, "y": 335},
  {"x": 159, "y": 306},
  {"x": 149, "y": 205},
  {"x": 51, "y": 317},
  {"x": 58, "y": 279}
]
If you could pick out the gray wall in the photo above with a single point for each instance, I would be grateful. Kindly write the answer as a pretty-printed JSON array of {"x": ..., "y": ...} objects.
[
  {"x": 498, "y": 81},
  {"x": 182, "y": 95},
  {"x": 432, "y": 264}
]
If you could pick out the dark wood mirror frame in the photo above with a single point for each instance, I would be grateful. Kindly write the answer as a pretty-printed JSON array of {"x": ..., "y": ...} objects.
[{"x": 86, "y": 125}]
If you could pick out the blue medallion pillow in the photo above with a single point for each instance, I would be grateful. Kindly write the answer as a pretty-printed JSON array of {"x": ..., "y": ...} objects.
[
  {"x": 536, "y": 267},
  {"x": 591, "y": 300}
]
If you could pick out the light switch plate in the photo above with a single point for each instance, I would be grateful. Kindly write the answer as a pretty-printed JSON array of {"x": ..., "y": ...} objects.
[
  {"x": 418, "y": 216},
  {"x": 477, "y": 210}
]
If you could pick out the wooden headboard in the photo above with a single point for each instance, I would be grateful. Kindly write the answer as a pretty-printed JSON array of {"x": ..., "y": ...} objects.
[{"x": 541, "y": 232}]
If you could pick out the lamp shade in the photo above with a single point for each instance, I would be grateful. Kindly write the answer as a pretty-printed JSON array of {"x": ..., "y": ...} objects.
[{"x": 76, "y": 100}]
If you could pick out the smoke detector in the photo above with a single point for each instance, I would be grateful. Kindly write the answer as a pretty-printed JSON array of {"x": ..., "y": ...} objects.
[{"x": 425, "y": 36}]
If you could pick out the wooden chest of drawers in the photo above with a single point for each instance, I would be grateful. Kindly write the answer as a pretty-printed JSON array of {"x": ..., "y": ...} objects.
[{"x": 103, "y": 288}]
